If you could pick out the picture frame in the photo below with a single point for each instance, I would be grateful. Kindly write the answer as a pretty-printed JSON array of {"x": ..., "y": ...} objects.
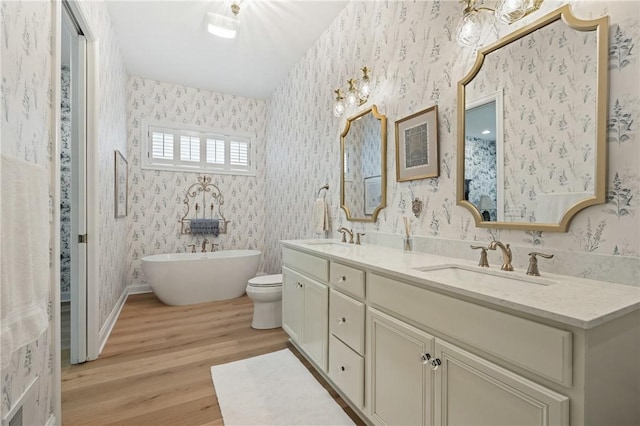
[
  {"x": 417, "y": 154},
  {"x": 121, "y": 185},
  {"x": 372, "y": 194}
]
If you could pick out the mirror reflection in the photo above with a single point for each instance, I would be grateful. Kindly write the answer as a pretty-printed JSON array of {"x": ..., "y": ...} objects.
[
  {"x": 533, "y": 125},
  {"x": 363, "y": 183}
]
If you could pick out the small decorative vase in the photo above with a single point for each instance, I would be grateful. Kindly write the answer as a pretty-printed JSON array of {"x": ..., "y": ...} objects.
[{"x": 416, "y": 207}]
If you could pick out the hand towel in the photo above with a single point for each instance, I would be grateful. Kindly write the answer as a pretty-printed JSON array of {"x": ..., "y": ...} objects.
[
  {"x": 320, "y": 221},
  {"x": 24, "y": 247}
]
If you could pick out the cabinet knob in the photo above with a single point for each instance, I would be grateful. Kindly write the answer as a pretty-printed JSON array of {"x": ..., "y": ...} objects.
[
  {"x": 299, "y": 285},
  {"x": 342, "y": 279},
  {"x": 435, "y": 363},
  {"x": 342, "y": 320},
  {"x": 342, "y": 369},
  {"x": 425, "y": 358}
]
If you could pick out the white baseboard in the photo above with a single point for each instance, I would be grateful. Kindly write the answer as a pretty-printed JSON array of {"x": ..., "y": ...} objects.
[
  {"x": 106, "y": 329},
  {"x": 105, "y": 332},
  {"x": 139, "y": 288}
]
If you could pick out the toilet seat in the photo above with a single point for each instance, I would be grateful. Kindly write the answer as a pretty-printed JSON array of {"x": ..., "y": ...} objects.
[{"x": 274, "y": 280}]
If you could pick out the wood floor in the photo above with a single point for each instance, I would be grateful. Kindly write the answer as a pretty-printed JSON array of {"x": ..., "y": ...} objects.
[{"x": 155, "y": 368}]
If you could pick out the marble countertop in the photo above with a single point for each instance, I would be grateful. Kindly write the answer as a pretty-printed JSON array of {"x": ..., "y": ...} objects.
[{"x": 572, "y": 301}]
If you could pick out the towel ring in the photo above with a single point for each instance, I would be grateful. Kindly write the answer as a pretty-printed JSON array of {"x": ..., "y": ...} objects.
[{"x": 326, "y": 187}]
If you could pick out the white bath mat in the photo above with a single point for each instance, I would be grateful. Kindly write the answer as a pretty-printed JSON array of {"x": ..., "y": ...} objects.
[{"x": 273, "y": 389}]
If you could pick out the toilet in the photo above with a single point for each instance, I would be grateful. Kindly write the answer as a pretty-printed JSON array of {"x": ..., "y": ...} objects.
[{"x": 266, "y": 293}]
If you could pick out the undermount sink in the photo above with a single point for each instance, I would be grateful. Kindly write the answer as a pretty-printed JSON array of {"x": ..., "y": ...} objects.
[
  {"x": 326, "y": 243},
  {"x": 460, "y": 274}
]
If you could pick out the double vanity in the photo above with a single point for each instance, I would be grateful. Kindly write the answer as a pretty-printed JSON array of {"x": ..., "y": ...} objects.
[{"x": 418, "y": 339}]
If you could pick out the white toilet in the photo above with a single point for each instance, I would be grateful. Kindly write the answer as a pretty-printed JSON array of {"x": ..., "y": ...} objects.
[{"x": 266, "y": 293}]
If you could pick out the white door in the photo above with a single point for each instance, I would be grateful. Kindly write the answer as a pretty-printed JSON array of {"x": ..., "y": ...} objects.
[
  {"x": 400, "y": 375},
  {"x": 473, "y": 391},
  {"x": 74, "y": 56}
]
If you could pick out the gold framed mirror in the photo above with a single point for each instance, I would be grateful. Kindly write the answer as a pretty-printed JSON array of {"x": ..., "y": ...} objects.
[
  {"x": 532, "y": 117},
  {"x": 363, "y": 176}
]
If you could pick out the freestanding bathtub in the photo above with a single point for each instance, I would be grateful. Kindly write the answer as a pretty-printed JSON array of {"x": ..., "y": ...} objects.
[{"x": 189, "y": 278}]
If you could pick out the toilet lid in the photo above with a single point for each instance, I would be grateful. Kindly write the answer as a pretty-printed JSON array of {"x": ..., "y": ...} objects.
[{"x": 266, "y": 281}]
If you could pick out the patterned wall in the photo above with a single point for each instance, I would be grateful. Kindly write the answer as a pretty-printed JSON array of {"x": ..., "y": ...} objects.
[
  {"x": 111, "y": 136},
  {"x": 416, "y": 63},
  {"x": 26, "y": 114},
  {"x": 549, "y": 111},
  {"x": 65, "y": 183},
  {"x": 155, "y": 197},
  {"x": 480, "y": 169}
]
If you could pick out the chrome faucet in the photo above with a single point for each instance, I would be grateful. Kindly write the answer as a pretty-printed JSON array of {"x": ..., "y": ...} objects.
[
  {"x": 506, "y": 254},
  {"x": 344, "y": 232},
  {"x": 204, "y": 245}
]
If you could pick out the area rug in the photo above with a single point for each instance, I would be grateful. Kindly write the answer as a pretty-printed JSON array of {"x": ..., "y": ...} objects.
[{"x": 273, "y": 389}]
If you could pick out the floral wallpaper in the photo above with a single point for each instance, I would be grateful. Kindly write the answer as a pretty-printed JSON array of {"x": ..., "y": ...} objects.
[
  {"x": 156, "y": 197},
  {"x": 480, "y": 170},
  {"x": 549, "y": 111},
  {"x": 416, "y": 63},
  {"x": 26, "y": 113},
  {"x": 65, "y": 183}
]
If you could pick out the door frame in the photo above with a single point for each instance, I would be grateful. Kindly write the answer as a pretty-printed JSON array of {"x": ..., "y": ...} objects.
[{"x": 92, "y": 181}]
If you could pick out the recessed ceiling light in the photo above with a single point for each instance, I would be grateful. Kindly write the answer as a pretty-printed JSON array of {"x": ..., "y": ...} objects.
[
  {"x": 224, "y": 26},
  {"x": 486, "y": 132}
]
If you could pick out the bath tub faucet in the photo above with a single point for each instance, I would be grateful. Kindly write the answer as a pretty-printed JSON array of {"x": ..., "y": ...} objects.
[
  {"x": 204, "y": 245},
  {"x": 506, "y": 254}
]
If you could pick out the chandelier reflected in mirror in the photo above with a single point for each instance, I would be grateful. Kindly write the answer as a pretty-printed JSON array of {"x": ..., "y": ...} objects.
[
  {"x": 222, "y": 25},
  {"x": 506, "y": 12},
  {"x": 357, "y": 94}
]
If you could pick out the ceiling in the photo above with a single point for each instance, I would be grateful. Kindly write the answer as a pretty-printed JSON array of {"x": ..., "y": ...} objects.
[
  {"x": 481, "y": 119},
  {"x": 168, "y": 41}
]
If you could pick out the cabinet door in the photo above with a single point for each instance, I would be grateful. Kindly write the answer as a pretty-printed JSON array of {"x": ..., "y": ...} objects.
[
  {"x": 473, "y": 391},
  {"x": 400, "y": 385},
  {"x": 315, "y": 325},
  {"x": 292, "y": 299}
]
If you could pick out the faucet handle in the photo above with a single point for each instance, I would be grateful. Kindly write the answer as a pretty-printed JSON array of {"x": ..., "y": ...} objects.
[
  {"x": 193, "y": 247},
  {"x": 358, "y": 235},
  {"x": 533, "y": 262},
  {"x": 484, "y": 260},
  {"x": 213, "y": 247}
]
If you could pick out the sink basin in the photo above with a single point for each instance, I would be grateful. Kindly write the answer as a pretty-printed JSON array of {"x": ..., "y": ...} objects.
[
  {"x": 459, "y": 274},
  {"x": 326, "y": 243}
]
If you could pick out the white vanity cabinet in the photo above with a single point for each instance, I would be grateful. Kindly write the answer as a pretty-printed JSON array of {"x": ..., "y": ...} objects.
[
  {"x": 305, "y": 301},
  {"x": 402, "y": 352}
]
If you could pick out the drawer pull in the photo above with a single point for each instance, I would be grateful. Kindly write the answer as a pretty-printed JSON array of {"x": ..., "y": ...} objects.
[
  {"x": 299, "y": 285},
  {"x": 342, "y": 279},
  {"x": 342, "y": 369},
  {"x": 342, "y": 320}
]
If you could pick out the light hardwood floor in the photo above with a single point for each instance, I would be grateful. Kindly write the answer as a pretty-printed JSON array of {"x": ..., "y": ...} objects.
[{"x": 155, "y": 368}]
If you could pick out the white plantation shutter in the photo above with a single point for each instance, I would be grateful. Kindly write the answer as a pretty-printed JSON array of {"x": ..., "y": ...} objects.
[
  {"x": 186, "y": 148},
  {"x": 239, "y": 154},
  {"x": 215, "y": 151},
  {"x": 189, "y": 148},
  {"x": 161, "y": 145}
]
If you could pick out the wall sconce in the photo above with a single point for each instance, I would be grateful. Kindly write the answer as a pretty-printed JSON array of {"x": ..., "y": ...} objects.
[
  {"x": 224, "y": 26},
  {"x": 506, "y": 12},
  {"x": 357, "y": 94}
]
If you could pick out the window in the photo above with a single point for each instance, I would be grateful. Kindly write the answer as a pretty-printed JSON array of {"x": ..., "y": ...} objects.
[{"x": 173, "y": 147}]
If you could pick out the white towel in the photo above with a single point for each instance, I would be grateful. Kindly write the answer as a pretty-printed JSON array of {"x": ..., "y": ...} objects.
[
  {"x": 24, "y": 248},
  {"x": 320, "y": 216}
]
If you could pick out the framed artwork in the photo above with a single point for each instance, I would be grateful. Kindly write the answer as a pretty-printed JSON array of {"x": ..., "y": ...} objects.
[
  {"x": 372, "y": 194},
  {"x": 121, "y": 184},
  {"x": 417, "y": 145}
]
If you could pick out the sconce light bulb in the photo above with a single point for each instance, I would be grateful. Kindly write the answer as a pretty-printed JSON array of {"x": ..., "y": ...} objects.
[
  {"x": 468, "y": 31},
  {"x": 365, "y": 89},
  {"x": 338, "y": 108},
  {"x": 352, "y": 99},
  {"x": 509, "y": 11}
]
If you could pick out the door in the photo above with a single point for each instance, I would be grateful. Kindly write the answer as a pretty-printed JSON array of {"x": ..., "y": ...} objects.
[
  {"x": 74, "y": 60},
  {"x": 315, "y": 322},
  {"x": 400, "y": 376},
  {"x": 292, "y": 299},
  {"x": 472, "y": 390}
]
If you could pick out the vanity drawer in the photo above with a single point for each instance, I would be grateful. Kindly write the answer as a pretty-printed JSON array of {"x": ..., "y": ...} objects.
[
  {"x": 346, "y": 320},
  {"x": 346, "y": 370},
  {"x": 347, "y": 279},
  {"x": 313, "y": 266},
  {"x": 536, "y": 347}
]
